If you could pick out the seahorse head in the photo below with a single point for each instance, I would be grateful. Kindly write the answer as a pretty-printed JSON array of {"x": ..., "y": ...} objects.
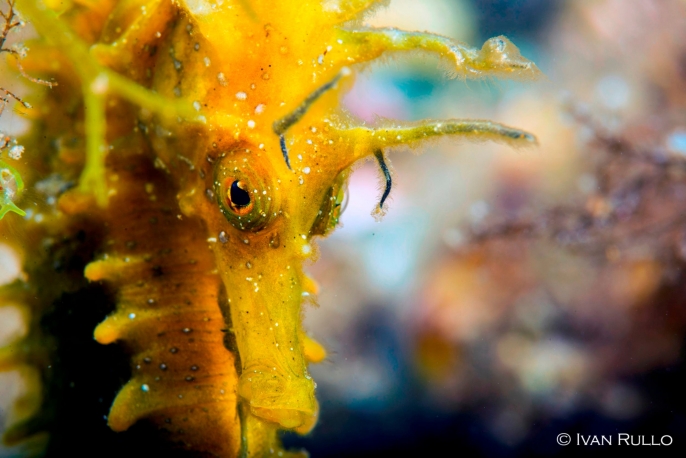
[
  {"x": 262, "y": 170},
  {"x": 266, "y": 167}
]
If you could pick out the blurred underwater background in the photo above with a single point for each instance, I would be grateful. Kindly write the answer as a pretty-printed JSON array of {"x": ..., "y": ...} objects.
[{"x": 509, "y": 295}]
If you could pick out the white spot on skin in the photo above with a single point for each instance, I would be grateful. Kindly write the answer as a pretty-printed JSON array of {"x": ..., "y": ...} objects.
[
  {"x": 16, "y": 151},
  {"x": 306, "y": 170},
  {"x": 145, "y": 388},
  {"x": 197, "y": 105},
  {"x": 259, "y": 109},
  {"x": 222, "y": 79},
  {"x": 241, "y": 95},
  {"x": 307, "y": 249},
  {"x": 207, "y": 62},
  {"x": 251, "y": 124},
  {"x": 132, "y": 316},
  {"x": 100, "y": 84}
]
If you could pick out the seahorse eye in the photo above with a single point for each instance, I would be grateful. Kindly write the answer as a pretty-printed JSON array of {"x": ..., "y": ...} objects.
[
  {"x": 245, "y": 196},
  {"x": 238, "y": 197}
]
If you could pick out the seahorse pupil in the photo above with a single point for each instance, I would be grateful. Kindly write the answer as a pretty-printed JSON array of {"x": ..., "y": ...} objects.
[{"x": 239, "y": 197}]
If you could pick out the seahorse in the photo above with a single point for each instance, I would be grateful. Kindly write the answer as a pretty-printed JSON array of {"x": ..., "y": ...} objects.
[{"x": 194, "y": 151}]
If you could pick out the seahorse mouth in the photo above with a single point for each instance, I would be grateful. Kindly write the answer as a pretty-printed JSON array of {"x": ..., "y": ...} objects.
[
  {"x": 278, "y": 397},
  {"x": 264, "y": 301}
]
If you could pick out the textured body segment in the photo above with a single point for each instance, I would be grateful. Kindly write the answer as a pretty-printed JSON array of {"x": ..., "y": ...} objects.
[{"x": 167, "y": 315}]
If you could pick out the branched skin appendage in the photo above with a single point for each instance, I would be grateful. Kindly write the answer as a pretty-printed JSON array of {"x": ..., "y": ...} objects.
[
  {"x": 498, "y": 57},
  {"x": 235, "y": 104},
  {"x": 11, "y": 185},
  {"x": 98, "y": 82}
]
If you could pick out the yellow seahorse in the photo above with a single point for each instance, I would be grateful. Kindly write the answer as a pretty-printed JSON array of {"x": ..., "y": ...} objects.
[{"x": 210, "y": 153}]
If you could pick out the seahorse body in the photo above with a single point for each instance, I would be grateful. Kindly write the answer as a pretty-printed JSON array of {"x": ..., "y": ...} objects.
[{"x": 208, "y": 151}]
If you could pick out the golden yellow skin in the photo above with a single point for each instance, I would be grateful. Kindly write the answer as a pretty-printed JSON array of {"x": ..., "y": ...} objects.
[{"x": 217, "y": 83}]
